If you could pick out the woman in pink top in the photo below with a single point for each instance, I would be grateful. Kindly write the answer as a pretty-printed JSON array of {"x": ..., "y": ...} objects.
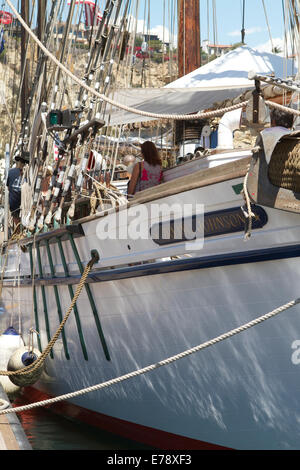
[{"x": 147, "y": 173}]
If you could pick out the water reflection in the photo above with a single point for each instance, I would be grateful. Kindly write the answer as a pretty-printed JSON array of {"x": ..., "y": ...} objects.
[{"x": 48, "y": 431}]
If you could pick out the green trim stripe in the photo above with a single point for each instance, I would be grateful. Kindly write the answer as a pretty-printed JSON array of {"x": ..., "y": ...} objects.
[
  {"x": 35, "y": 307},
  {"x": 91, "y": 299},
  {"x": 44, "y": 296},
  {"x": 57, "y": 299},
  {"x": 77, "y": 318}
]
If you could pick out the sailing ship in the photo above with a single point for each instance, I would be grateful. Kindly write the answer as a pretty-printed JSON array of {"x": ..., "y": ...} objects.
[{"x": 146, "y": 299}]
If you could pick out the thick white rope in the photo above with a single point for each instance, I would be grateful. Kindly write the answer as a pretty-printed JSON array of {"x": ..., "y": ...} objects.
[
  {"x": 282, "y": 108},
  {"x": 249, "y": 214},
  {"x": 181, "y": 117},
  {"x": 164, "y": 362}
]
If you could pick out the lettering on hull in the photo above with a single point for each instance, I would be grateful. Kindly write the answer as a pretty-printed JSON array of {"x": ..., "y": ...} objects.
[{"x": 211, "y": 225}]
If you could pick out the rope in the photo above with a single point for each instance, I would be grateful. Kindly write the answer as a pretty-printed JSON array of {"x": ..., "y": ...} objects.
[
  {"x": 181, "y": 117},
  {"x": 282, "y": 108},
  {"x": 28, "y": 369},
  {"x": 267, "y": 21},
  {"x": 151, "y": 367},
  {"x": 249, "y": 214}
]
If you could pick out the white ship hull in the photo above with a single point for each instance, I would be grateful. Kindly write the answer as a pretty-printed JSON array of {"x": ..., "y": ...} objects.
[{"x": 241, "y": 393}]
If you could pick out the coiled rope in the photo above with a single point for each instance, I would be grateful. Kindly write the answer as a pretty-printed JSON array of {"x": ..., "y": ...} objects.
[{"x": 164, "y": 362}]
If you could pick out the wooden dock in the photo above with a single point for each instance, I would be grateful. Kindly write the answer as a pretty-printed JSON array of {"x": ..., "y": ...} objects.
[{"x": 12, "y": 435}]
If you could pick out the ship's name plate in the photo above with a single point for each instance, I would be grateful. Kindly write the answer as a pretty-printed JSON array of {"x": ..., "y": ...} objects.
[{"x": 208, "y": 225}]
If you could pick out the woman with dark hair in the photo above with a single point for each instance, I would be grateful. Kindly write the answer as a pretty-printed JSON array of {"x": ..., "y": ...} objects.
[{"x": 147, "y": 173}]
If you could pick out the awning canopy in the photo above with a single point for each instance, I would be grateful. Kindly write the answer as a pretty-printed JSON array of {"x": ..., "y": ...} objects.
[
  {"x": 166, "y": 101},
  {"x": 224, "y": 78}
]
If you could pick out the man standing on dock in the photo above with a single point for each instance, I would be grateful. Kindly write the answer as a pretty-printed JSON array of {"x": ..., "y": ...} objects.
[{"x": 13, "y": 183}]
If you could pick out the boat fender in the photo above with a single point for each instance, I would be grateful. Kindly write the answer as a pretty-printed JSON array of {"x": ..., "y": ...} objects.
[
  {"x": 10, "y": 341},
  {"x": 21, "y": 358},
  {"x": 40, "y": 223},
  {"x": 48, "y": 218},
  {"x": 71, "y": 211},
  {"x": 57, "y": 215},
  {"x": 227, "y": 125},
  {"x": 3, "y": 404}
]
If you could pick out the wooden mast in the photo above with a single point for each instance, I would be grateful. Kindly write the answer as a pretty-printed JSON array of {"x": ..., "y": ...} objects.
[
  {"x": 41, "y": 17},
  {"x": 189, "y": 57},
  {"x": 24, "y": 61}
]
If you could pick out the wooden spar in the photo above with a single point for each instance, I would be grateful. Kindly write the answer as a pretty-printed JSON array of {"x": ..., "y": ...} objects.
[
  {"x": 41, "y": 16},
  {"x": 189, "y": 57},
  {"x": 24, "y": 62}
]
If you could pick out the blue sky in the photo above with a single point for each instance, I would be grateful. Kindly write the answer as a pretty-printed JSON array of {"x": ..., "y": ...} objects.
[{"x": 228, "y": 18}]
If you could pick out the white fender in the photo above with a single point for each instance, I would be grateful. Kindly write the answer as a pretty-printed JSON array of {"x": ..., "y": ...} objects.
[{"x": 228, "y": 123}]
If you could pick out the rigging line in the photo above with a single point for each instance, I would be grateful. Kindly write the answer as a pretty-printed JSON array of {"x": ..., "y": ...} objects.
[
  {"x": 137, "y": 6},
  {"x": 200, "y": 51},
  {"x": 149, "y": 48},
  {"x": 62, "y": 53},
  {"x": 213, "y": 21},
  {"x": 37, "y": 82},
  {"x": 24, "y": 66},
  {"x": 268, "y": 26},
  {"x": 13, "y": 111},
  {"x": 95, "y": 54},
  {"x": 95, "y": 20},
  {"x": 207, "y": 7},
  {"x": 184, "y": 38},
  {"x": 170, "y": 64},
  {"x": 285, "y": 46},
  {"x": 125, "y": 69},
  {"x": 243, "y": 23},
  {"x": 13, "y": 127},
  {"x": 114, "y": 103},
  {"x": 292, "y": 33},
  {"x": 296, "y": 28},
  {"x": 117, "y": 36},
  {"x": 74, "y": 34},
  {"x": 163, "y": 40}
]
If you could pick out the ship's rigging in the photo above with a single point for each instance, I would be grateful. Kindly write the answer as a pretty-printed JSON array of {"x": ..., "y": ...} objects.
[{"x": 112, "y": 51}]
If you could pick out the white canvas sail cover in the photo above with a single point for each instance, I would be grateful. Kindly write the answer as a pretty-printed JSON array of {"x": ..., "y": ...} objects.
[{"x": 223, "y": 78}]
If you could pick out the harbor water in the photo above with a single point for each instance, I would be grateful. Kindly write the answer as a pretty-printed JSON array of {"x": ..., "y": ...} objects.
[{"x": 46, "y": 430}]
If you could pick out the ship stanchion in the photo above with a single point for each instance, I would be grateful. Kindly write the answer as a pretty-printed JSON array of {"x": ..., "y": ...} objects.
[
  {"x": 77, "y": 318},
  {"x": 44, "y": 296},
  {"x": 91, "y": 299},
  {"x": 57, "y": 300}
]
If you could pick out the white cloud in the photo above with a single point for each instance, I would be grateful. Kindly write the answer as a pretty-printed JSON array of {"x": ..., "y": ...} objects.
[
  {"x": 253, "y": 30},
  {"x": 163, "y": 34},
  {"x": 141, "y": 28},
  {"x": 279, "y": 43}
]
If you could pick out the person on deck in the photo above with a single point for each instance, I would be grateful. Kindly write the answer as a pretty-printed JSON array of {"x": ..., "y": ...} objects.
[
  {"x": 281, "y": 119},
  {"x": 13, "y": 183},
  {"x": 148, "y": 172},
  {"x": 281, "y": 123}
]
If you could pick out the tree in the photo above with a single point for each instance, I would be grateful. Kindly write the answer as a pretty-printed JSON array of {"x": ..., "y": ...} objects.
[{"x": 237, "y": 44}]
